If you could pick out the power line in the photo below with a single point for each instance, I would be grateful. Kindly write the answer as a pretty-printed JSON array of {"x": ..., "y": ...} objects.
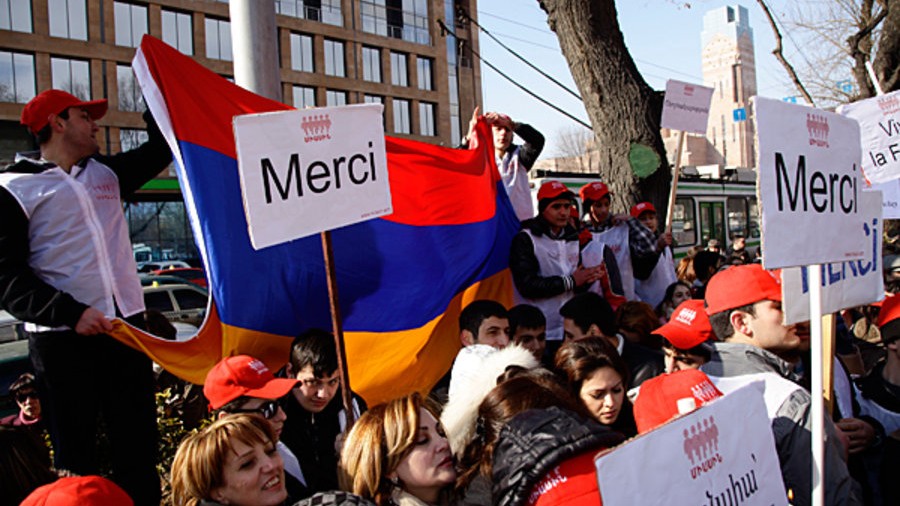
[
  {"x": 447, "y": 31},
  {"x": 519, "y": 23},
  {"x": 465, "y": 14}
]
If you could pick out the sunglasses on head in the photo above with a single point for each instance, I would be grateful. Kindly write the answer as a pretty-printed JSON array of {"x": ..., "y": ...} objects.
[
  {"x": 267, "y": 410},
  {"x": 22, "y": 396}
]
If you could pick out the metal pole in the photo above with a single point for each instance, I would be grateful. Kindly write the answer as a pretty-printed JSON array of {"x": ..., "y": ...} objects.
[
  {"x": 818, "y": 402},
  {"x": 254, "y": 44}
]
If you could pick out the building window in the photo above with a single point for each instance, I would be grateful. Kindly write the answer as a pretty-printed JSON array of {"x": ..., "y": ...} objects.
[
  {"x": 130, "y": 97},
  {"x": 373, "y": 99},
  {"x": 17, "y": 82},
  {"x": 399, "y": 72},
  {"x": 426, "y": 119},
  {"x": 371, "y": 64},
  {"x": 400, "y": 19},
  {"x": 68, "y": 18},
  {"x": 326, "y": 11},
  {"x": 423, "y": 72},
  {"x": 130, "y": 138},
  {"x": 304, "y": 97},
  {"x": 178, "y": 31},
  {"x": 334, "y": 97},
  {"x": 15, "y": 15},
  {"x": 334, "y": 58},
  {"x": 401, "y": 116},
  {"x": 218, "y": 39},
  {"x": 73, "y": 76},
  {"x": 302, "y": 53},
  {"x": 131, "y": 23}
]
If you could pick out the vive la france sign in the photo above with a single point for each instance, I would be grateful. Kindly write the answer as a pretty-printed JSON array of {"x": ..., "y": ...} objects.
[
  {"x": 306, "y": 171},
  {"x": 808, "y": 185},
  {"x": 844, "y": 284},
  {"x": 879, "y": 127},
  {"x": 722, "y": 453}
]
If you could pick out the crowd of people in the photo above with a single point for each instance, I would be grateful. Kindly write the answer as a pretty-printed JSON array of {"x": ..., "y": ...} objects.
[{"x": 606, "y": 339}]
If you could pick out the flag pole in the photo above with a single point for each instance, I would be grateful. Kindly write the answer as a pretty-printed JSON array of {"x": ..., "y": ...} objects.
[
  {"x": 676, "y": 173},
  {"x": 338, "y": 328},
  {"x": 816, "y": 386}
]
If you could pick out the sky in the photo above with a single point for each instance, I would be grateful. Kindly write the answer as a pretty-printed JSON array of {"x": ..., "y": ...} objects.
[{"x": 663, "y": 37}]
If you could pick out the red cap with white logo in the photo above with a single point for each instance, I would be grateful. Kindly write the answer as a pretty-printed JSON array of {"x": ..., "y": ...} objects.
[
  {"x": 640, "y": 208},
  {"x": 243, "y": 376},
  {"x": 688, "y": 327},
  {"x": 666, "y": 396},
  {"x": 741, "y": 285}
]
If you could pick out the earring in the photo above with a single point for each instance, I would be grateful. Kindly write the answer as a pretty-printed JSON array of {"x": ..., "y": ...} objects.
[{"x": 395, "y": 481}]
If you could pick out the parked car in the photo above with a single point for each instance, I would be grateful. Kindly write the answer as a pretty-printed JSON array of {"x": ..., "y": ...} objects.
[
  {"x": 154, "y": 280},
  {"x": 195, "y": 275},
  {"x": 162, "y": 264},
  {"x": 178, "y": 303}
]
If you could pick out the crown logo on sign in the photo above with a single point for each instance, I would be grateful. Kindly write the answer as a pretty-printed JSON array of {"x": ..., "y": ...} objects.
[
  {"x": 701, "y": 446},
  {"x": 889, "y": 104},
  {"x": 689, "y": 91},
  {"x": 686, "y": 316},
  {"x": 817, "y": 126},
  {"x": 316, "y": 127}
]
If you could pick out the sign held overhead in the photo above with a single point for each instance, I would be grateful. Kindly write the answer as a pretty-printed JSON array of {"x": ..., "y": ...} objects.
[
  {"x": 307, "y": 171},
  {"x": 686, "y": 107},
  {"x": 808, "y": 181}
]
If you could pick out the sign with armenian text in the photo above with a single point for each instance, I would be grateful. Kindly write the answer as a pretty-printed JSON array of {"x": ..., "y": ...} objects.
[
  {"x": 722, "y": 453},
  {"x": 306, "y": 171},
  {"x": 808, "y": 185},
  {"x": 844, "y": 284},
  {"x": 686, "y": 107},
  {"x": 879, "y": 135}
]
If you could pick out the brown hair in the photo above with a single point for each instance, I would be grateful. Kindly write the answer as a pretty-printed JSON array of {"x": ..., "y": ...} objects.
[
  {"x": 520, "y": 391},
  {"x": 639, "y": 318},
  {"x": 379, "y": 440},
  {"x": 578, "y": 359},
  {"x": 198, "y": 466}
]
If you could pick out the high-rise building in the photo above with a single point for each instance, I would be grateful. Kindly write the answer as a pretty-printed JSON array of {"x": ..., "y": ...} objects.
[
  {"x": 729, "y": 67},
  {"x": 330, "y": 52}
]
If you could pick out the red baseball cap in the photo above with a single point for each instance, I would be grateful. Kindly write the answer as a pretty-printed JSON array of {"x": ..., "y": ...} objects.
[
  {"x": 554, "y": 189},
  {"x": 890, "y": 309},
  {"x": 593, "y": 191},
  {"x": 79, "y": 491},
  {"x": 688, "y": 327},
  {"x": 741, "y": 285},
  {"x": 640, "y": 208},
  {"x": 37, "y": 111},
  {"x": 666, "y": 396},
  {"x": 243, "y": 375}
]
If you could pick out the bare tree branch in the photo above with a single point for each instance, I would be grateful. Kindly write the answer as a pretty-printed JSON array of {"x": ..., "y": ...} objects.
[{"x": 778, "y": 54}]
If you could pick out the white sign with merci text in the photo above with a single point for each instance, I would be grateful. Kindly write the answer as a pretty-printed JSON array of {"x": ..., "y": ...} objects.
[
  {"x": 844, "y": 284},
  {"x": 722, "y": 453},
  {"x": 306, "y": 171},
  {"x": 686, "y": 107},
  {"x": 808, "y": 185}
]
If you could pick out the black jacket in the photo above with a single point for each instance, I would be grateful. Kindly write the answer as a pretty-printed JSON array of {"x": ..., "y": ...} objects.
[
  {"x": 523, "y": 262},
  {"x": 643, "y": 363},
  {"x": 535, "y": 442}
]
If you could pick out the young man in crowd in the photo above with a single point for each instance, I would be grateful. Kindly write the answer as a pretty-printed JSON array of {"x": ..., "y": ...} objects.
[
  {"x": 67, "y": 269},
  {"x": 484, "y": 322},
  {"x": 685, "y": 337},
  {"x": 744, "y": 306},
  {"x": 588, "y": 314},
  {"x": 513, "y": 160},
  {"x": 24, "y": 391},
  {"x": 315, "y": 411},
  {"x": 527, "y": 328},
  {"x": 243, "y": 384},
  {"x": 545, "y": 261}
]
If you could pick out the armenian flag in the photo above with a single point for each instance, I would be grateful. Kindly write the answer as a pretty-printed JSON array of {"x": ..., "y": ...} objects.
[{"x": 402, "y": 279}]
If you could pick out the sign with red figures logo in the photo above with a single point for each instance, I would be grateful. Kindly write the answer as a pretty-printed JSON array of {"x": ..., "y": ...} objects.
[
  {"x": 306, "y": 171},
  {"x": 722, "y": 453},
  {"x": 808, "y": 185},
  {"x": 686, "y": 106}
]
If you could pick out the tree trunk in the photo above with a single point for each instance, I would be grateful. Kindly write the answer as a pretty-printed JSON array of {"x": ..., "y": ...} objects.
[
  {"x": 623, "y": 109},
  {"x": 887, "y": 61}
]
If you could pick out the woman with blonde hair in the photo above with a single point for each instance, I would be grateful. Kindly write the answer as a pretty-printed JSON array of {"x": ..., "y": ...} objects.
[
  {"x": 397, "y": 454},
  {"x": 233, "y": 461}
]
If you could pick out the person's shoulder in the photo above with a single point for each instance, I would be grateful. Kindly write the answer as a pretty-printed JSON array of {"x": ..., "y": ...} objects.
[{"x": 10, "y": 421}]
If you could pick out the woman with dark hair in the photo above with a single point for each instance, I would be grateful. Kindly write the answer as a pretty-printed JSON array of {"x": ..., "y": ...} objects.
[
  {"x": 528, "y": 426},
  {"x": 596, "y": 375},
  {"x": 676, "y": 293},
  {"x": 397, "y": 454}
]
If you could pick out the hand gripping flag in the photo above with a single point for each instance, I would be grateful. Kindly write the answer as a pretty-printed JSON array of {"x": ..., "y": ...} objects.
[{"x": 402, "y": 279}]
